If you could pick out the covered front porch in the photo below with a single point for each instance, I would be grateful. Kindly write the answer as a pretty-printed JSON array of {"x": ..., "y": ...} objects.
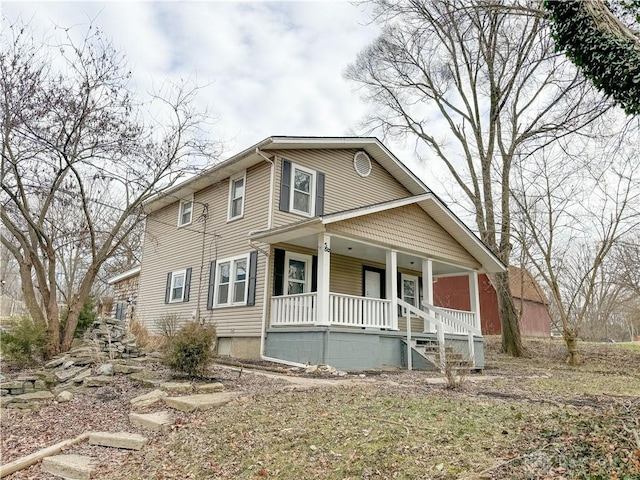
[{"x": 358, "y": 305}]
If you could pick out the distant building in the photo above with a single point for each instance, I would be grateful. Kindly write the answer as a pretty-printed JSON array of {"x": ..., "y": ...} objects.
[{"x": 453, "y": 292}]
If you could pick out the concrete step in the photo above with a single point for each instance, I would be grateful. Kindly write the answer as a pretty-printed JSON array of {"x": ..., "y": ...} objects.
[
  {"x": 70, "y": 467},
  {"x": 152, "y": 421},
  {"x": 201, "y": 401},
  {"x": 130, "y": 441}
]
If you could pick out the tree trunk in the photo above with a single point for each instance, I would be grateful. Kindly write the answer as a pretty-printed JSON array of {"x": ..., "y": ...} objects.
[
  {"x": 73, "y": 314},
  {"x": 573, "y": 356},
  {"x": 511, "y": 339}
]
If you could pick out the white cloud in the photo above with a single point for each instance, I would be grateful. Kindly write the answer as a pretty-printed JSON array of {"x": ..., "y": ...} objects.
[{"x": 268, "y": 68}]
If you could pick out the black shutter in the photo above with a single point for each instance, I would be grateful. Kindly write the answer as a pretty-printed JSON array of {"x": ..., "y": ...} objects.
[
  {"x": 420, "y": 293},
  {"x": 319, "y": 194},
  {"x": 253, "y": 273},
  {"x": 187, "y": 284},
  {"x": 278, "y": 272},
  {"x": 167, "y": 291},
  {"x": 212, "y": 283},
  {"x": 285, "y": 185},
  {"x": 314, "y": 273}
]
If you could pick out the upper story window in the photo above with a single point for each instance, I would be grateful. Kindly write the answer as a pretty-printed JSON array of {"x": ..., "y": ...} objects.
[
  {"x": 301, "y": 190},
  {"x": 236, "y": 196},
  {"x": 185, "y": 212}
]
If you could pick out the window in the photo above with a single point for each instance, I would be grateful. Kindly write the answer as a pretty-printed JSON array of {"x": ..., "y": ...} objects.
[
  {"x": 302, "y": 190},
  {"x": 410, "y": 289},
  {"x": 236, "y": 197},
  {"x": 177, "y": 287},
  {"x": 297, "y": 273},
  {"x": 185, "y": 212},
  {"x": 231, "y": 281}
]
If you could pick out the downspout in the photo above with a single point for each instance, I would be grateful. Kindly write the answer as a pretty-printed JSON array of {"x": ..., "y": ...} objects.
[{"x": 263, "y": 331}]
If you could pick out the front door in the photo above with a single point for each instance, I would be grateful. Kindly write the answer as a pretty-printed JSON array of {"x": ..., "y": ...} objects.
[{"x": 372, "y": 284}]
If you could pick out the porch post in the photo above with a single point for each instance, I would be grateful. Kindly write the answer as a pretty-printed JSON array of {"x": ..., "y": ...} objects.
[
  {"x": 392, "y": 286},
  {"x": 324, "y": 266},
  {"x": 474, "y": 294},
  {"x": 427, "y": 285}
]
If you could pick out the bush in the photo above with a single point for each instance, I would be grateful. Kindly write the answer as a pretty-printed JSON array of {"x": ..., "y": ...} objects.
[
  {"x": 22, "y": 342},
  {"x": 190, "y": 350},
  {"x": 86, "y": 318},
  {"x": 146, "y": 341},
  {"x": 168, "y": 324}
]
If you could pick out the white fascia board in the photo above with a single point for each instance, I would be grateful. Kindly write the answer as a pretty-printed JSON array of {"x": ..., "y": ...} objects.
[{"x": 124, "y": 275}]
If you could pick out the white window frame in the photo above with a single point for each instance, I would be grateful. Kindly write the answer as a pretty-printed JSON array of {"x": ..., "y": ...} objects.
[
  {"x": 308, "y": 259},
  {"x": 312, "y": 190},
  {"x": 183, "y": 202},
  {"x": 174, "y": 275},
  {"x": 232, "y": 280},
  {"x": 241, "y": 176},
  {"x": 413, "y": 278}
]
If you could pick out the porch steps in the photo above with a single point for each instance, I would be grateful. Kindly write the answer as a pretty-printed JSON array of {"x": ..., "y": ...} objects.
[{"x": 430, "y": 351}]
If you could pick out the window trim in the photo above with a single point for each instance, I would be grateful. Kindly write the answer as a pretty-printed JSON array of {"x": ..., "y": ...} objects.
[
  {"x": 232, "y": 274},
  {"x": 180, "y": 211},
  {"x": 416, "y": 281},
  {"x": 241, "y": 176},
  {"x": 312, "y": 190},
  {"x": 175, "y": 274},
  {"x": 308, "y": 259}
]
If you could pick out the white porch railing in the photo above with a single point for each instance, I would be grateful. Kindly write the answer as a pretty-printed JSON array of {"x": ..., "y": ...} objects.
[
  {"x": 297, "y": 309},
  {"x": 354, "y": 311},
  {"x": 467, "y": 319},
  {"x": 437, "y": 317}
]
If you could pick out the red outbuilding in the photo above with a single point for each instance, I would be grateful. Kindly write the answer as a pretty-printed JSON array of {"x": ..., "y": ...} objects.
[{"x": 453, "y": 292}]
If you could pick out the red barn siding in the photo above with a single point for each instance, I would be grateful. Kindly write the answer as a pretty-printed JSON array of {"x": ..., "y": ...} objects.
[{"x": 453, "y": 292}]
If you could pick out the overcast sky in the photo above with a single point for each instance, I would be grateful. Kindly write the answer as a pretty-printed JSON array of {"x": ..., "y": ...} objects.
[{"x": 269, "y": 68}]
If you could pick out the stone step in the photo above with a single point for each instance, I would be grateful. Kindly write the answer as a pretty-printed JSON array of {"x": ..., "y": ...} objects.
[
  {"x": 201, "y": 401},
  {"x": 70, "y": 467},
  {"x": 153, "y": 421},
  {"x": 148, "y": 399},
  {"x": 130, "y": 441}
]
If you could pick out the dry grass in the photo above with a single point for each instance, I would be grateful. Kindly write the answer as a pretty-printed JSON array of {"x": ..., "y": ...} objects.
[
  {"x": 145, "y": 340},
  {"x": 535, "y": 418}
]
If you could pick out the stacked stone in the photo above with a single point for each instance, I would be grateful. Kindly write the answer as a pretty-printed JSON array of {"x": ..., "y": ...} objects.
[{"x": 109, "y": 334}]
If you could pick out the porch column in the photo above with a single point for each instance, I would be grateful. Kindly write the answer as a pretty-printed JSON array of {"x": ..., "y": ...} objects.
[
  {"x": 474, "y": 294},
  {"x": 392, "y": 286},
  {"x": 427, "y": 286},
  {"x": 324, "y": 266}
]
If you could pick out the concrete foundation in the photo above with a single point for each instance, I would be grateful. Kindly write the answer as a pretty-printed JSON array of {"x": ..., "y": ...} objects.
[
  {"x": 356, "y": 349},
  {"x": 240, "y": 347}
]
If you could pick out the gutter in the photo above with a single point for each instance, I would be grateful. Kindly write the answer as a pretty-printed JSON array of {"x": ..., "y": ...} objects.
[{"x": 263, "y": 329}]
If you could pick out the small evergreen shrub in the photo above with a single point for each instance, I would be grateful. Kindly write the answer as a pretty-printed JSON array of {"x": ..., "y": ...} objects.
[
  {"x": 87, "y": 316},
  {"x": 22, "y": 341},
  {"x": 190, "y": 351}
]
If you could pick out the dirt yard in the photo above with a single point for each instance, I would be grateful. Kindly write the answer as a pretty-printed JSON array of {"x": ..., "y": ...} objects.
[{"x": 531, "y": 418}]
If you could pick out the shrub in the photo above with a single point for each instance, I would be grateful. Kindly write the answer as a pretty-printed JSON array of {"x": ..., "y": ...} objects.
[
  {"x": 22, "y": 341},
  {"x": 168, "y": 324},
  {"x": 190, "y": 350},
  {"x": 146, "y": 341},
  {"x": 86, "y": 318}
]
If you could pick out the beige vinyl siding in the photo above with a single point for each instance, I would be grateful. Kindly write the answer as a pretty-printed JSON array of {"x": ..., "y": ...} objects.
[
  {"x": 169, "y": 248},
  {"x": 344, "y": 188},
  {"x": 410, "y": 228}
]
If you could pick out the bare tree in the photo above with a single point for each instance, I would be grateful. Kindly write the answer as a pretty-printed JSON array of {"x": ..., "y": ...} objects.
[
  {"x": 571, "y": 212},
  {"x": 79, "y": 157},
  {"x": 490, "y": 74}
]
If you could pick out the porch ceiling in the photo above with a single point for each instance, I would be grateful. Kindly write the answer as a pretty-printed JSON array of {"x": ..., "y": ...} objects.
[{"x": 374, "y": 254}]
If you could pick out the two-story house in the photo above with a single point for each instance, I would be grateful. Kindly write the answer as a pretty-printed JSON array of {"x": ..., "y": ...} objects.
[{"x": 313, "y": 250}]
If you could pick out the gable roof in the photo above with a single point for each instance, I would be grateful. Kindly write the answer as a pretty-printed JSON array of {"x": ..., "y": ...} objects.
[
  {"x": 523, "y": 285},
  {"x": 429, "y": 202},
  {"x": 250, "y": 156}
]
